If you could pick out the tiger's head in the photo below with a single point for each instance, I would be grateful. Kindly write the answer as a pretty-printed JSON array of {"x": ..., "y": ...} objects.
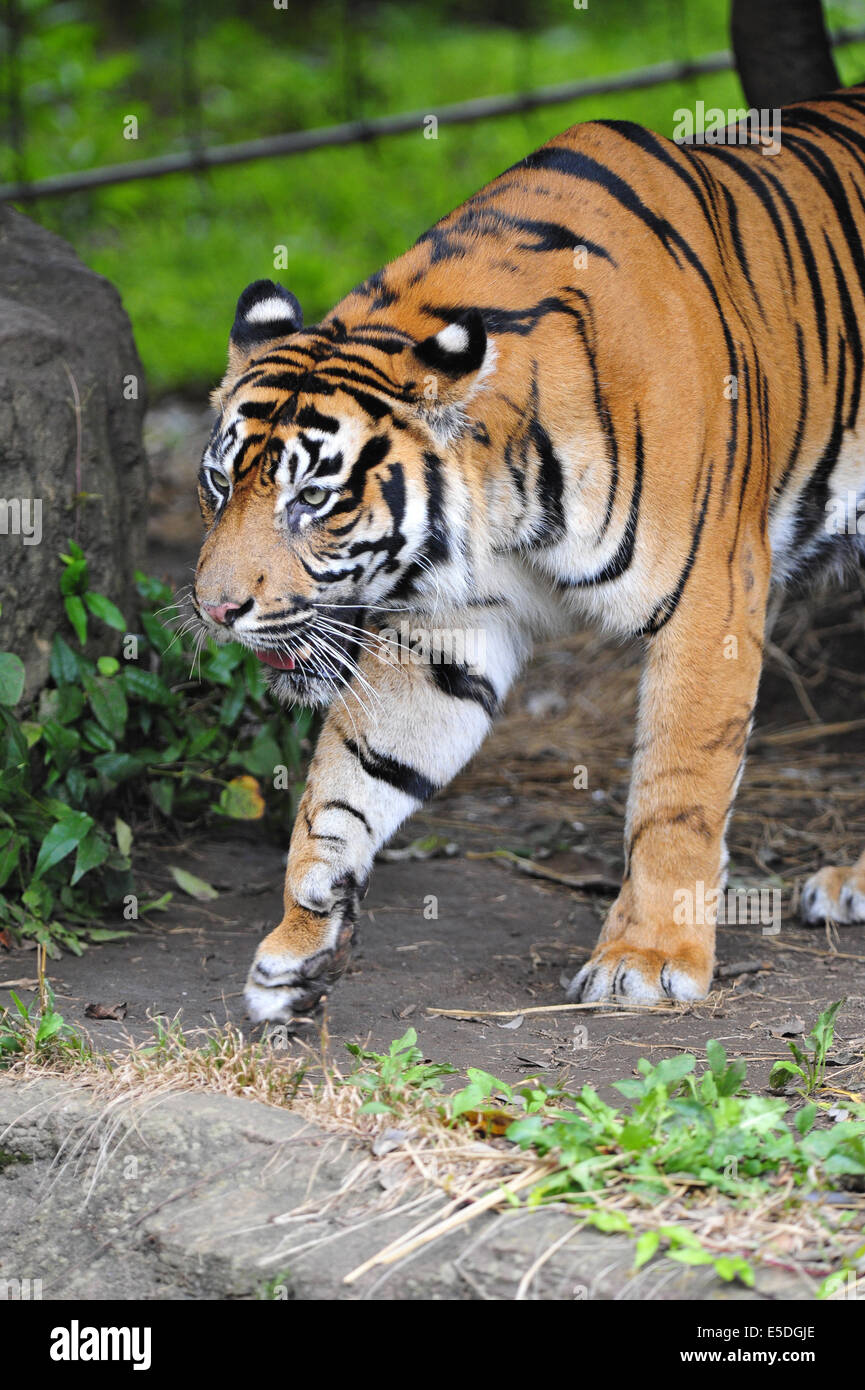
[{"x": 324, "y": 486}]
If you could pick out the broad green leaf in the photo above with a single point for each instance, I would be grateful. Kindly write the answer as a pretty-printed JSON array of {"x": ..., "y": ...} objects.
[
  {"x": 784, "y": 1072},
  {"x": 73, "y": 580},
  {"x": 117, "y": 767},
  {"x": 805, "y": 1118},
  {"x": 123, "y": 834},
  {"x": 263, "y": 756},
  {"x": 108, "y": 703},
  {"x": 646, "y": 1246},
  {"x": 610, "y": 1221},
  {"x": 147, "y": 685},
  {"x": 92, "y": 851},
  {"x": 102, "y": 607},
  {"x": 730, "y": 1267},
  {"x": 77, "y": 615},
  {"x": 162, "y": 792},
  {"x": 9, "y": 855},
  {"x": 157, "y": 904},
  {"x": 65, "y": 669},
  {"x": 195, "y": 887},
  {"x": 61, "y": 840},
  {"x": 12, "y": 677},
  {"x": 97, "y": 737}
]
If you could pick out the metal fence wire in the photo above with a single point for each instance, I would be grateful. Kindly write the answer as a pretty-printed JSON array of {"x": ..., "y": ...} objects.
[{"x": 199, "y": 157}]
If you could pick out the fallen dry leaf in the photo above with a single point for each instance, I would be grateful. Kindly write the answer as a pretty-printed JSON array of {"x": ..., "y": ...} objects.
[
  {"x": 791, "y": 1029},
  {"x": 114, "y": 1012}
]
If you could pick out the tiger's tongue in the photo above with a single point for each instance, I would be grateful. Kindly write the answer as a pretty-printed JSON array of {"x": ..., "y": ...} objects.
[{"x": 282, "y": 663}]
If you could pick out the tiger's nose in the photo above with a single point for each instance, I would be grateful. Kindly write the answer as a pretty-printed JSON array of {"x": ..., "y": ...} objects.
[{"x": 225, "y": 613}]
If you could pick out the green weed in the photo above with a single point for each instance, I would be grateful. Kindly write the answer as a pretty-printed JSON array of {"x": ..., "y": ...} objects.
[
  {"x": 808, "y": 1067},
  {"x": 115, "y": 740}
]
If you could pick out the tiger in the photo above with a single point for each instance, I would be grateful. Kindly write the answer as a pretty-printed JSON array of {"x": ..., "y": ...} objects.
[{"x": 621, "y": 385}]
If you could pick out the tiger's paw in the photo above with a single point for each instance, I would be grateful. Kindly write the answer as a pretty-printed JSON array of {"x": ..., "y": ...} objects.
[
  {"x": 643, "y": 975},
  {"x": 297, "y": 965},
  {"x": 834, "y": 895}
]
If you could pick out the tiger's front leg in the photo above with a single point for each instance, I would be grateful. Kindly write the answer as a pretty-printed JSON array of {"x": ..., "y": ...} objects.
[
  {"x": 697, "y": 701},
  {"x": 404, "y": 731}
]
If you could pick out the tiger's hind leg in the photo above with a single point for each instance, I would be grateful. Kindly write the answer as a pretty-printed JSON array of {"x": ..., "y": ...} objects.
[{"x": 834, "y": 894}]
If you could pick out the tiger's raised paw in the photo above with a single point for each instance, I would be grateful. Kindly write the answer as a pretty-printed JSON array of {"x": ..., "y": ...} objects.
[
  {"x": 287, "y": 985},
  {"x": 643, "y": 975},
  {"x": 834, "y": 895}
]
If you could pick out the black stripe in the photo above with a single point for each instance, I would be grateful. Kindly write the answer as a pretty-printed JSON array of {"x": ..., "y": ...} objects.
[
  {"x": 751, "y": 177},
  {"x": 811, "y": 270},
  {"x": 310, "y": 418},
  {"x": 803, "y": 411},
  {"x": 458, "y": 682},
  {"x": 668, "y": 605},
  {"x": 550, "y": 487},
  {"x": 581, "y": 166},
  {"x": 438, "y": 546},
  {"x": 851, "y": 326},
  {"x": 386, "y": 769},
  {"x": 351, "y": 810},
  {"x": 624, "y": 552},
  {"x": 811, "y": 511}
]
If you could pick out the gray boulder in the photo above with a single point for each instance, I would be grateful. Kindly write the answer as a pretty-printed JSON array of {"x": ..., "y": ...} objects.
[{"x": 72, "y": 398}]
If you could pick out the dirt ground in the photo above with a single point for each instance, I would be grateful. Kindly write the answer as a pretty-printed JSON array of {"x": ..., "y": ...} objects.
[{"x": 497, "y": 938}]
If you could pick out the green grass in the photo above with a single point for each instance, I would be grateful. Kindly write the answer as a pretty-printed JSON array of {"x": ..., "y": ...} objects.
[{"x": 180, "y": 249}]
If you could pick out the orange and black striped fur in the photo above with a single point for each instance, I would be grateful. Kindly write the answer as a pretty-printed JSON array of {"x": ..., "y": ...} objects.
[{"x": 621, "y": 383}]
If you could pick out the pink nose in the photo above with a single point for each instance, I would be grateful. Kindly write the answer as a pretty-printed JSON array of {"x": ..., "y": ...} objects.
[{"x": 218, "y": 611}]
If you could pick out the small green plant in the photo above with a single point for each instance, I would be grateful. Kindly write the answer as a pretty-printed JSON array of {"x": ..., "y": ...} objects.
[
  {"x": 114, "y": 740},
  {"x": 38, "y": 1032},
  {"x": 391, "y": 1078},
  {"x": 276, "y": 1289},
  {"x": 807, "y": 1068}
]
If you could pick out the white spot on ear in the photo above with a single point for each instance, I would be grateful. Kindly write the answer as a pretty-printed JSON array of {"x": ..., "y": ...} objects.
[
  {"x": 454, "y": 338},
  {"x": 270, "y": 309}
]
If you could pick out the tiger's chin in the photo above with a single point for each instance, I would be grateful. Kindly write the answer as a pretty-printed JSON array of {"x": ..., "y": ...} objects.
[{"x": 299, "y": 687}]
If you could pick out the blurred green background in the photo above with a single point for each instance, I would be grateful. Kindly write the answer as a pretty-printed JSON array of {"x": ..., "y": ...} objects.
[{"x": 181, "y": 248}]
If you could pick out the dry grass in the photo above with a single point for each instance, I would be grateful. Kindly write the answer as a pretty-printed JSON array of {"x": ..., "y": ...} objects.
[{"x": 446, "y": 1175}]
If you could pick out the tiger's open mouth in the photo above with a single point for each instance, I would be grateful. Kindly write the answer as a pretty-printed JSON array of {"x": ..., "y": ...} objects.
[
  {"x": 324, "y": 650},
  {"x": 270, "y": 658}
]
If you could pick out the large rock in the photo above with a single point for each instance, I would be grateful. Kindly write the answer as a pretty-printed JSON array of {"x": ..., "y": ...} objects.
[{"x": 71, "y": 404}]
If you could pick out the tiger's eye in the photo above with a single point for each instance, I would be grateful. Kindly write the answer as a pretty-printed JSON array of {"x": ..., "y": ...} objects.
[
  {"x": 220, "y": 480},
  {"x": 313, "y": 496}
]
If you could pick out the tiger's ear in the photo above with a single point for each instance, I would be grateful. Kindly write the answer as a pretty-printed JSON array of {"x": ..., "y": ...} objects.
[
  {"x": 458, "y": 349},
  {"x": 454, "y": 362},
  {"x": 265, "y": 312}
]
